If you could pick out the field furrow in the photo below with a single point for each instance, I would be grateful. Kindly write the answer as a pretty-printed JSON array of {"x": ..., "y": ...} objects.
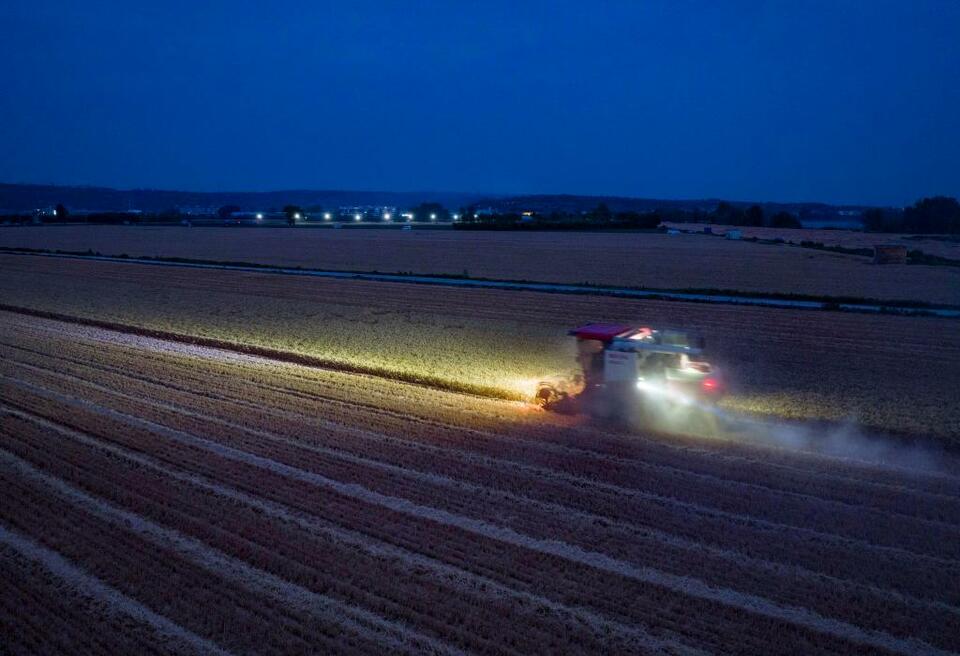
[
  {"x": 776, "y": 468},
  {"x": 628, "y": 542},
  {"x": 933, "y": 500},
  {"x": 581, "y": 585},
  {"x": 36, "y": 433},
  {"x": 616, "y": 493},
  {"x": 682, "y": 584},
  {"x": 156, "y": 575},
  {"x": 51, "y": 606},
  {"x": 735, "y": 534},
  {"x": 782, "y": 363},
  {"x": 323, "y": 510},
  {"x": 405, "y": 594}
]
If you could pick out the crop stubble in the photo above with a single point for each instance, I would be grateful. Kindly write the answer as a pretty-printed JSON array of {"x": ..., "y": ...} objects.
[
  {"x": 655, "y": 261},
  {"x": 275, "y": 468},
  {"x": 890, "y": 373}
]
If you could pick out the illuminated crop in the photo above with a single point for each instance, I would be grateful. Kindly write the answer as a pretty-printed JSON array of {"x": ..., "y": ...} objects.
[
  {"x": 345, "y": 513},
  {"x": 781, "y": 363}
]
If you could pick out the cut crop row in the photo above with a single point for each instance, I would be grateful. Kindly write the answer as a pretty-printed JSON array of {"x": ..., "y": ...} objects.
[
  {"x": 401, "y": 594},
  {"x": 234, "y": 616},
  {"x": 490, "y": 415},
  {"x": 585, "y": 502},
  {"x": 658, "y": 513},
  {"x": 489, "y": 557},
  {"x": 888, "y": 497},
  {"x": 621, "y": 584},
  {"x": 771, "y": 467},
  {"x": 380, "y": 325},
  {"x": 41, "y": 614}
]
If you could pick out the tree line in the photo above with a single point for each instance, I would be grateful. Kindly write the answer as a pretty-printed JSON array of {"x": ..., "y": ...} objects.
[
  {"x": 602, "y": 217},
  {"x": 599, "y": 218},
  {"x": 936, "y": 215}
]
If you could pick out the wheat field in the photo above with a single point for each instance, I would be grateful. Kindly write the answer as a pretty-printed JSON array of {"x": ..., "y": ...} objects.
[{"x": 656, "y": 261}]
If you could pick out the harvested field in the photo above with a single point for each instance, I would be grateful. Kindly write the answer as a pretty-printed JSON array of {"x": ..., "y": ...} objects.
[
  {"x": 890, "y": 373},
  {"x": 195, "y": 500},
  {"x": 948, "y": 247},
  {"x": 629, "y": 259}
]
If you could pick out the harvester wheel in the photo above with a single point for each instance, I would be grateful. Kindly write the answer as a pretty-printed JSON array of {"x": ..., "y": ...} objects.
[{"x": 548, "y": 396}]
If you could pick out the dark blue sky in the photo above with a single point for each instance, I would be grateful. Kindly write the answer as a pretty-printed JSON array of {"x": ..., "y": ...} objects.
[{"x": 841, "y": 101}]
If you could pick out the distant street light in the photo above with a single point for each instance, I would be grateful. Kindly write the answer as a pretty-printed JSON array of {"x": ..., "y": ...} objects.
[
  {"x": 433, "y": 217},
  {"x": 259, "y": 216},
  {"x": 296, "y": 216},
  {"x": 326, "y": 216},
  {"x": 386, "y": 216},
  {"x": 357, "y": 217},
  {"x": 456, "y": 217}
]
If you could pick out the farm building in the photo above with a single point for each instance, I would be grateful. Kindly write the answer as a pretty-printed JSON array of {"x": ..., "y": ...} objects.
[{"x": 889, "y": 254}]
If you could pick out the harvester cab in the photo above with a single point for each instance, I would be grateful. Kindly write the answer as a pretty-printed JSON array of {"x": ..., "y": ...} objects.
[{"x": 624, "y": 366}]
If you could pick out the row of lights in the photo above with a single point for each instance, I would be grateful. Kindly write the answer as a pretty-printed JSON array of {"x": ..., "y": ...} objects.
[{"x": 359, "y": 217}]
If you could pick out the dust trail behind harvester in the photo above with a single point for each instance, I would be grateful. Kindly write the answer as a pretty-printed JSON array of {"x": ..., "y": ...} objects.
[
  {"x": 843, "y": 440},
  {"x": 846, "y": 440}
]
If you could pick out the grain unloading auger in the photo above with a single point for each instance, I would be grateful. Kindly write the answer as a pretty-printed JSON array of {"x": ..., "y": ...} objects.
[{"x": 633, "y": 372}]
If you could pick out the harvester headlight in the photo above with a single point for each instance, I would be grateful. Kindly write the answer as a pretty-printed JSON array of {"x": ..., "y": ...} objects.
[{"x": 663, "y": 392}]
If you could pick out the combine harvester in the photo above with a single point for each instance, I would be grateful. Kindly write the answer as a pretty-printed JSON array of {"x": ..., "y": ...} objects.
[
  {"x": 655, "y": 379},
  {"x": 637, "y": 374}
]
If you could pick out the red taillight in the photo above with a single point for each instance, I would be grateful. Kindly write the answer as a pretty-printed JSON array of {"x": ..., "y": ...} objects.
[{"x": 710, "y": 385}]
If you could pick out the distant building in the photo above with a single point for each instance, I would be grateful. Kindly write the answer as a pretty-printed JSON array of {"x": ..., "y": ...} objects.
[
  {"x": 197, "y": 210},
  {"x": 367, "y": 212},
  {"x": 889, "y": 254}
]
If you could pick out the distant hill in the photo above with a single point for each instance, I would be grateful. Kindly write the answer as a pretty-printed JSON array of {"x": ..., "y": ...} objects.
[{"x": 27, "y": 197}]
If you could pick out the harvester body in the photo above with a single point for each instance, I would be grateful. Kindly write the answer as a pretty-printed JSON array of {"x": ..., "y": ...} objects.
[{"x": 629, "y": 369}]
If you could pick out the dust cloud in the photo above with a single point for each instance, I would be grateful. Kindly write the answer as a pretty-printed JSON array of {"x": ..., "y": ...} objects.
[{"x": 844, "y": 440}]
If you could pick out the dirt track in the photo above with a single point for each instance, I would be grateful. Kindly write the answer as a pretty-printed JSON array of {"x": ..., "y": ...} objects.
[{"x": 203, "y": 501}]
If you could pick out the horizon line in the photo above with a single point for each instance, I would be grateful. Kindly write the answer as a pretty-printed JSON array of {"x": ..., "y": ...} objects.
[{"x": 482, "y": 195}]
